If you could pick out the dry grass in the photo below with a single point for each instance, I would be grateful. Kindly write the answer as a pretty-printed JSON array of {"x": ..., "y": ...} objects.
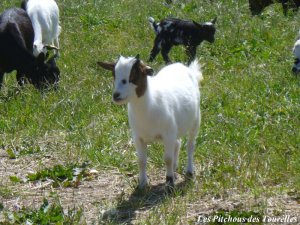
[{"x": 110, "y": 197}]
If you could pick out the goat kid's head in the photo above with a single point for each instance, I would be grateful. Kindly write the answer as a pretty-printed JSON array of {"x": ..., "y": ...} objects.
[
  {"x": 130, "y": 78},
  {"x": 208, "y": 30},
  {"x": 46, "y": 73}
]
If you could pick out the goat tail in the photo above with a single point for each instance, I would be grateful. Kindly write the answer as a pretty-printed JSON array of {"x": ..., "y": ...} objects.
[
  {"x": 196, "y": 69},
  {"x": 153, "y": 24}
]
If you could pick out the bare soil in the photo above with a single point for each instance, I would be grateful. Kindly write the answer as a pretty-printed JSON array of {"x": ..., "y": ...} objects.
[{"x": 111, "y": 196}]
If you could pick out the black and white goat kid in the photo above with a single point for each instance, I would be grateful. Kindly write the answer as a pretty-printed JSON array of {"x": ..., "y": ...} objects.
[{"x": 173, "y": 31}]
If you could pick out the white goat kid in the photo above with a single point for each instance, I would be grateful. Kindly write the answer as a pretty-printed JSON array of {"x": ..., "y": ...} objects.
[
  {"x": 44, "y": 15},
  {"x": 165, "y": 108}
]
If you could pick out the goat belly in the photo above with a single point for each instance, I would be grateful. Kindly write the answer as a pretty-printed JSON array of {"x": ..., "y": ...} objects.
[
  {"x": 141, "y": 129},
  {"x": 148, "y": 136}
]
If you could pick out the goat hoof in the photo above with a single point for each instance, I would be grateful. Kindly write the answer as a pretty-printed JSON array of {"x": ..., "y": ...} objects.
[
  {"x": 142, "y": 185},
  {"x": 170, "y": 181},
  {"x": 170, "y": 185},
  {"x": 189, "y": 175},
  {"x": 141, "y": 190},
  {"x": 175, "y": 176}
]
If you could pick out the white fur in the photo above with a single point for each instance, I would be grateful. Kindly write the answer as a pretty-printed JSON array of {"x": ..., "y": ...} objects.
[
  {"x": 169, "y": 110},
  {"x": 152, "y": 22},
  {"x": 296, "y": 49},
  {"x": 208, "y": 23},
  {"x": 44, "y": 15},
  {"x": 296, "y": 52}
]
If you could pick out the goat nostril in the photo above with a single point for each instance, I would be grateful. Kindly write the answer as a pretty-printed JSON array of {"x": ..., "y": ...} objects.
[{"x": 116, "y": 95}]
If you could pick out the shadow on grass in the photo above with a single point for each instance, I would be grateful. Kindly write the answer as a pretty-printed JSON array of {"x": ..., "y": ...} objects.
[{"x": 143, "y": 200}]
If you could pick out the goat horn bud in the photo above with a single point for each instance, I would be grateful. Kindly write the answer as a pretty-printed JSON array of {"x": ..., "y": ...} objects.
[{"x": 50, "y": 47}]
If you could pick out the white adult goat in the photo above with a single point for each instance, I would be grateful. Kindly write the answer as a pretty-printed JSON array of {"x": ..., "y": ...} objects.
[
  {"x": 44, "y": 15},
  {"x": 164, "y": 108}
]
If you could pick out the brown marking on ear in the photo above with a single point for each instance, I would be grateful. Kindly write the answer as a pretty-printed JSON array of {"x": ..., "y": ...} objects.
[
  {"x": 149, "y": 71},
  {"x": 108, "y": 66},
  {"x": 138, "y": 76}
]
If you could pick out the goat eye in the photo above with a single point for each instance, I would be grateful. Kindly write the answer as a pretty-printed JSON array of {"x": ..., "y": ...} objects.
[{"x": 124, "y": 81}]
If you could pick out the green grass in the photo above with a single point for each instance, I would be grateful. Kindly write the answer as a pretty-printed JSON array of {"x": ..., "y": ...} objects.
[
  {"x": 46, "y": 214},
  {"x": 249, "y": 139},
  {"x": 70, "y": 175}
]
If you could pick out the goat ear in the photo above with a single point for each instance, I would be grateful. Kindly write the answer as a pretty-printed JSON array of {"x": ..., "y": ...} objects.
[
  {"x": 145, "y": 70},
  {"x": 214, "y": 20},
  {"x": 137, "y": 57},
  {"x": 41, "y": 58},
  {"x": 107, "y": 66},
  {"x": 197, "y": 24}
]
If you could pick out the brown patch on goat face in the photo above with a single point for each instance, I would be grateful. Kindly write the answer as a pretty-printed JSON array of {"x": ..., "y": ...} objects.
[{"x": 138, "y": 76}]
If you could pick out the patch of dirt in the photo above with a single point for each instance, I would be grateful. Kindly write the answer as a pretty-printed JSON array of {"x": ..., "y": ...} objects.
[
  {"x": 274, "y": 206},
  {"x": 90, "y": 195},
  {"x": 110, "y": 196}
]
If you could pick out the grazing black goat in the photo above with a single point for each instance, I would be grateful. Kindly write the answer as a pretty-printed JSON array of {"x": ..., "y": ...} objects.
[
  {"x": 16, "y": 51},
  {"x": 257, "y": 6},
  {"x": 174, "y": 31}
]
